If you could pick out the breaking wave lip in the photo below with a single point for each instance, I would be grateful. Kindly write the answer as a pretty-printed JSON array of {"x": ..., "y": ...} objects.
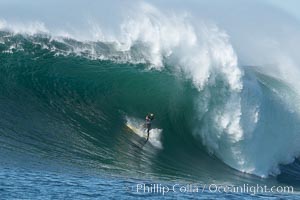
[{"x": 233, "y": 106}]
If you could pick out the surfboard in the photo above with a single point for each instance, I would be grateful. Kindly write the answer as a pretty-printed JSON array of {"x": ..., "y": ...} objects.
[{"x": 135, "y": 130}]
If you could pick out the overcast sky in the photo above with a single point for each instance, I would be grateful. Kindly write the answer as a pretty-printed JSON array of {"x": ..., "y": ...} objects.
[{"x": 58, "y": 10}]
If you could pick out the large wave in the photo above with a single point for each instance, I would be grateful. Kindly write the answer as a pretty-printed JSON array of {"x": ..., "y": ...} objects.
[{"x": 246, "y": 116}]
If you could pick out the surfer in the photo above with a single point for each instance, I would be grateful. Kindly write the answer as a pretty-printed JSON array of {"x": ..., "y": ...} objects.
[{"x": 149, "y": 119}]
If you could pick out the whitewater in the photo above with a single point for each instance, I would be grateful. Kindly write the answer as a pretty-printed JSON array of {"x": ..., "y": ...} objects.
[{"x": 68, "y": 93}]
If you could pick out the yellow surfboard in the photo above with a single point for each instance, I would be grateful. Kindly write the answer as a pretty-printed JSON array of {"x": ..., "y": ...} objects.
[
  {"x": 132, "y": 128},
  {"x": 136, "y": 130}
]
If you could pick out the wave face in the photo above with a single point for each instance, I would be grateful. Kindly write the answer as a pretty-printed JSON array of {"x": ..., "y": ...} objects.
[{"x": 69, "y": 98}]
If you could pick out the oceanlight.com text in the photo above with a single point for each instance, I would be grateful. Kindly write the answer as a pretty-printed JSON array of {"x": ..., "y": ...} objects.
[{"x": 157, "y": 188}]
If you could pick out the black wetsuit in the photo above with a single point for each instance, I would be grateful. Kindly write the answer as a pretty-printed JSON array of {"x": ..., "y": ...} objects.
[{"x": 148, "y": 126}]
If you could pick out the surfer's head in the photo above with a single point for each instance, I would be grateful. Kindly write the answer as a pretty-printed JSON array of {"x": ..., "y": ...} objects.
[{"x": 151, "y": 116}]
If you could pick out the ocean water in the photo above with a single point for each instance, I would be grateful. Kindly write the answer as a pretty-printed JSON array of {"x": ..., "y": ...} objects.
[{"x": 224, "y": 128}]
